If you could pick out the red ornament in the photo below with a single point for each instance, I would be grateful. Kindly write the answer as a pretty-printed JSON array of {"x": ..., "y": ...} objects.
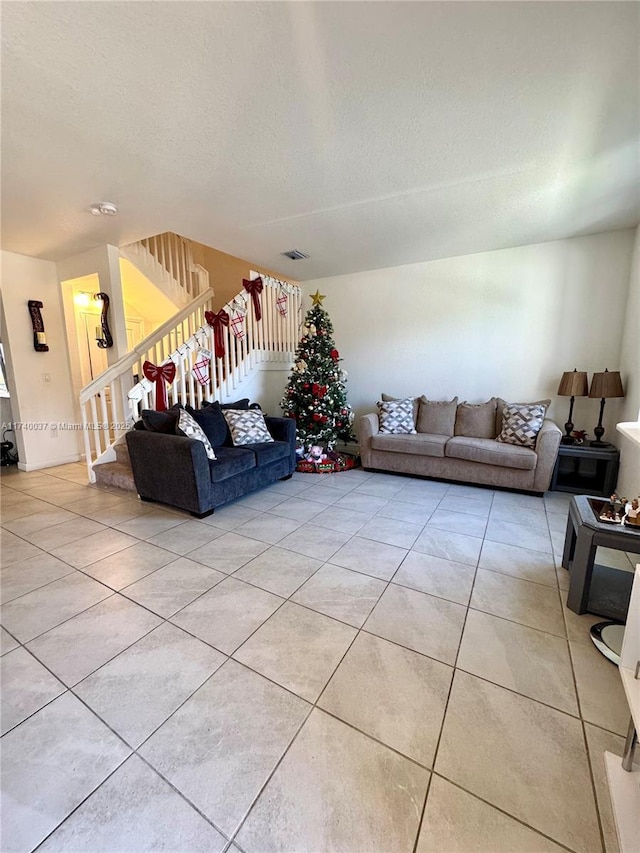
[
  {"x": 335, "y": 355},
  {"x": 324, "y": 419},
  {"x": 306, "y": 386},
  {"x": 317, "y": 417}
]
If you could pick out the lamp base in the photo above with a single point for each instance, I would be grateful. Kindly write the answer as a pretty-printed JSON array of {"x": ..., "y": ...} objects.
[{"x": 599, "y": 444}]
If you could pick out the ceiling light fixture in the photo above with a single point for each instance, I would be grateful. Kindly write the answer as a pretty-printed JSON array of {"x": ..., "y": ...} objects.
[
  {"x": 295, "y": 255},
  {"x": 104, "y": 208}
]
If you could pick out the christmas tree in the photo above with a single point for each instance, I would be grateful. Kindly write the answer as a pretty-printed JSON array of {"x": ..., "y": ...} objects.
[{"x": 316, "y": 395}]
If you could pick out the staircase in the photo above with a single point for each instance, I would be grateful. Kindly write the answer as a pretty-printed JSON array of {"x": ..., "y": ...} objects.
[
  {"x": 117, "y": 474},
  {"x": 167, "y": 261},
  {"x": 114, "y": 400}
]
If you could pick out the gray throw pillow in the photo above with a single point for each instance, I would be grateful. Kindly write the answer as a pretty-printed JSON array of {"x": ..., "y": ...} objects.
[
  {"x": 247, "y": 426},
  {"x": 521, "y": 424},
  {"x": 396, "y": 417},
  {"x": 387, "y": 398},
  {"x": 502, "y": 403},
  {"x": 187, "y": 426},
  {"x": 477, "y": 420},
  {"x": 436, "y": 417}
]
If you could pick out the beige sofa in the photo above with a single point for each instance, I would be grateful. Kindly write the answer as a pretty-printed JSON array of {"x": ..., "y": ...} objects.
[{"x": 462, "y": 457}]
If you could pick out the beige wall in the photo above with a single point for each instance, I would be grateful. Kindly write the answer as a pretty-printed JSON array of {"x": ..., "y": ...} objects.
[
  {"x": 629, "y": 479},
  {"x": 33, "y": 399},
  {"x": 506, "y": 323},
  {"x": 226, "y": 272}
]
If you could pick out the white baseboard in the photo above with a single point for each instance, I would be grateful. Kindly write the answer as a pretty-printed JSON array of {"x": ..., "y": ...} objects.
[{"x": 49, "y": 463}]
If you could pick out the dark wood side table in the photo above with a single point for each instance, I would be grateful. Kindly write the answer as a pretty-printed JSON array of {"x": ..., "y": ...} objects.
[
  {"x": 584, "y": 534},
  {"x": 585, "y": 470}
]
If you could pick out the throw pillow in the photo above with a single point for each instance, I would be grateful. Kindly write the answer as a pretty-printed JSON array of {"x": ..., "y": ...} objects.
[
  {"x": 387, "y": 398},
  {"x": 212, "y": 421},
  {"x": 161, "y": 421},
  {"x": 247, "y": 426},
  {"x": 477, "y": 420},
  {"x": 187, "y": 426},
  {"x": 502, "y": 403},
  {"x": 436, "y": 418},
  {"x": 396, "y": 417},
  {"x": 521, "y": 424},
  {"x": 239, "y": 404}
]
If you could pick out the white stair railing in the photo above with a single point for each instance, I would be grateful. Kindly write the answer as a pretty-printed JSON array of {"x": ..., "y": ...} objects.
[
  {"x": 274, "y": 338},
  {"x": 105, "y": 407},
  {"x": 113, "y": 401},
  {"x": 168, "y": 258}
]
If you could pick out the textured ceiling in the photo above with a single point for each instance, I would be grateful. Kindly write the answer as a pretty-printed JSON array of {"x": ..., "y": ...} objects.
[{"x": 364, "y": 134}]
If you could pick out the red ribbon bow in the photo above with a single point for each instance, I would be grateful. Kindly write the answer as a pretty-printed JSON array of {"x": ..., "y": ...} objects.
[
  {"x": 217, "y": 322},
  {"x": 254, "y": 288},
  {"x": 160, "y": 374},
  {"x": 318, "y": 390}
]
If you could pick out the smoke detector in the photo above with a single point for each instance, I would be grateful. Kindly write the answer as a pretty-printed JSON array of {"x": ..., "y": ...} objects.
[
  {"x": 295, "y": 255},
  {"x": 104, "y": 208}
]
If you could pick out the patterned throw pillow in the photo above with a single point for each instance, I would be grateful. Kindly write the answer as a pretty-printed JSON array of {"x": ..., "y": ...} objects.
[
  {"x": 187, "y": 426},
  {"x": 521, "y": 424},
  {"x": 247, "y": 426},
  {"x": 396, "y": 416}
]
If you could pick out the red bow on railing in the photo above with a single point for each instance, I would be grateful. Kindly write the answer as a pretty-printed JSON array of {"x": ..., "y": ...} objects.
[
  {"x": 160, "y": 375},
  {"x": 254, "y": 288},
  {"x": 217, "y": 322}
]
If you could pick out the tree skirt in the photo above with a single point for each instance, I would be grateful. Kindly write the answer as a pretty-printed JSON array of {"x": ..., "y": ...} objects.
[{"x": 335, "y": 463}]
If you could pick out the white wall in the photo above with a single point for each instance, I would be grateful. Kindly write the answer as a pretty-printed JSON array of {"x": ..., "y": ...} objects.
[
  {"x": 629, "y": 478},
  {"x": 504, "y": 323},
  {"x": 34, "y": 400}
]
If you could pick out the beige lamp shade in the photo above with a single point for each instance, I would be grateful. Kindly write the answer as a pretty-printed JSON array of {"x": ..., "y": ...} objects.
[
  {"x": 573, "y": 384},
  {"x": 605, "y": 385}
]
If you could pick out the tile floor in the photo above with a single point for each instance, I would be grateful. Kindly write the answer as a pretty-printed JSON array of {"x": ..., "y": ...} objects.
[{"x": 353, "y": 662}]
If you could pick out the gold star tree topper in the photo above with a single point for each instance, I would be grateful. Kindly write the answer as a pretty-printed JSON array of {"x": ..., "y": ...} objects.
[{"x": 317, "y": 298}]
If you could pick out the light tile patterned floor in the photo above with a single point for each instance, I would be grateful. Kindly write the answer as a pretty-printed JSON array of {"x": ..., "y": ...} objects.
[{"x": 354, "y": 662}]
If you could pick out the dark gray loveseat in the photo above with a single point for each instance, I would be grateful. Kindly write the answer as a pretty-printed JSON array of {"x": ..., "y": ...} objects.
[{"x": 173, "y": 469}]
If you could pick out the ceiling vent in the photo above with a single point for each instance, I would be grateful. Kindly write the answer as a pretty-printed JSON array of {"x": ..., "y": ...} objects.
[{"x": 295, "y": 255}]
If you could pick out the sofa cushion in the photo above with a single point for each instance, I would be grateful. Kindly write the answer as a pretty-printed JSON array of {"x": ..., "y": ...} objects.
[
  {"x": 247, "y": 427},
  {"x": 213, "y": 423},
  {"x": 477, "y": 420},
  {"x": 420, "y": 444},
  {"x": 502, "y": 403},
  {"x": 387, "y": 398},
  {"x": 396, "y": 417},
  {"x": 521, "y": 425},
  {"x": 491, "y": 452},
  {"x": 436, "y": 417},
  {"x": 229, "y": 462},
  {"x": 164, "y": 422},
  {"x": 269, "y": 451},
  {"x": 188, "y": 426}
]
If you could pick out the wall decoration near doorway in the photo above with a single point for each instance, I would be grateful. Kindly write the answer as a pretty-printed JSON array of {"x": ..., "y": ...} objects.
[
  {"x": 39, "y": 337},
  {"x": 105, "y": 341}
]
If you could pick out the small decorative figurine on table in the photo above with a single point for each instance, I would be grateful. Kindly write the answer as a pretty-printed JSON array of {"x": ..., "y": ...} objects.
[
  {"x": 579, "y": 435},
  {"x": 633, "y": 513},
  {"x": 610, "y": 511}
]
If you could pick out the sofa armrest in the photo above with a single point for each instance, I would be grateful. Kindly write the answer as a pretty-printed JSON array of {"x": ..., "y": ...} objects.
[
  {"x": 369, "y": 426},
  {"x": 547, "y": 446},
  {"x": 284, "y": 429},
  {"x": 171, "y": 469}
]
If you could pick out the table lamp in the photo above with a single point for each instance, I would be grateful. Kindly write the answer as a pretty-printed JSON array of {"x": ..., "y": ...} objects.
[
  {"x": 604, "y": 385},
  {"x": 573, "y": 384}
]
